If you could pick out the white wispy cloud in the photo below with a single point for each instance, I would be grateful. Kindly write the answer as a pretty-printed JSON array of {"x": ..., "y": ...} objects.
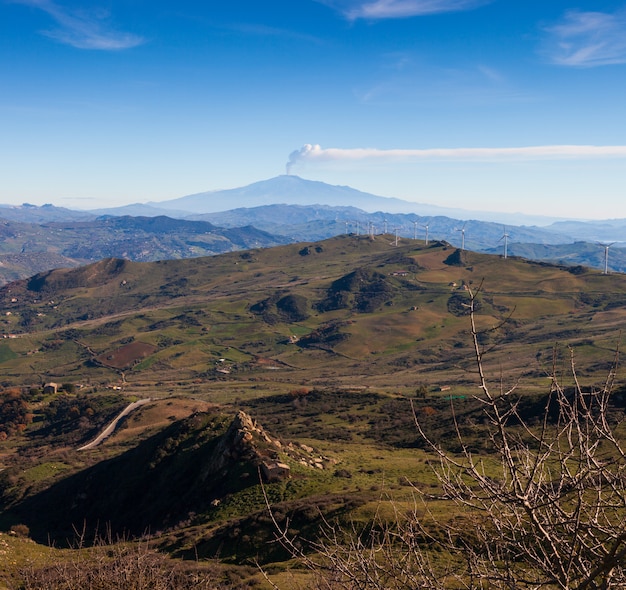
[
  {"x": 315, "y": 153},
  {"x": 84, "y": 29},
  {"x": 385, "y": 9},
  {"x": 587, "y": 39},
  {"x": 265, "y": 31}
]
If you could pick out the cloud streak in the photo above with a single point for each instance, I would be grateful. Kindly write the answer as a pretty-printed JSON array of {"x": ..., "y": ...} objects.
[
  {"x": 588, "y": 39},
  {"x": 316, "y": 154},
  {"x": 388, "y": 9},
  {"x": 84, "y": 29}
]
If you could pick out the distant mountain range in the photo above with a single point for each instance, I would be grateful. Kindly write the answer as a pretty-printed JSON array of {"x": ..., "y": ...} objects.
[
  {"x": 29, "y": 248},
  {"x": 277, "y": 211},
  {"x": 293, "y": 190}
]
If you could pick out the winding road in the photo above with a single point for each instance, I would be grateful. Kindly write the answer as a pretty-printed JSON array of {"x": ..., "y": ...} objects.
[{"x": 112, "y": 425}]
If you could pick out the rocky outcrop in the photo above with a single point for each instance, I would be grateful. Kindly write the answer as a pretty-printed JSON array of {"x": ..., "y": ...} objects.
[{"x": 245, "y": 440}]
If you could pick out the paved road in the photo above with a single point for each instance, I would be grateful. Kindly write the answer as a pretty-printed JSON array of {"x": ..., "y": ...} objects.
[{"x": 111, "y": 426}]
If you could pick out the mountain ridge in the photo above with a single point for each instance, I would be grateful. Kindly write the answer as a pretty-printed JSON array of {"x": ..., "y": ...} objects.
[
  {"x": 67, "y": 238},
  {"x": 294, "y": 190}
]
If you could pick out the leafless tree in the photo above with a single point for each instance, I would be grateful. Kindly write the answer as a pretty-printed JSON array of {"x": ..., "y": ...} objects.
[
  {"x": 553, "y": 515},
  {"x": 545, "y": 509}
]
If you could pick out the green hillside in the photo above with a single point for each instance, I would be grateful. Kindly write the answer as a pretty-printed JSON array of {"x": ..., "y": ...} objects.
[
  {"x": 329, "y": 347},
  {"x": 350, "y": 309}
]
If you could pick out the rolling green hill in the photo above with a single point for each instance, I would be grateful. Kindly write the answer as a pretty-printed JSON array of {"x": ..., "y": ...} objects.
[
  {"x": 325, "y": 343},
  {"x": 349, "y": 308}
]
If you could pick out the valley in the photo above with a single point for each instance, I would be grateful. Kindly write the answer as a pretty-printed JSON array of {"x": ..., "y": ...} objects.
[
  {"x": 321, "y": 295},
  {"x": 319, "y": 355}
]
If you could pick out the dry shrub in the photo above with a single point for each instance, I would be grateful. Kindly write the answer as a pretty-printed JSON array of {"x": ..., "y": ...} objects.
[{"x": 125, "y": 566}]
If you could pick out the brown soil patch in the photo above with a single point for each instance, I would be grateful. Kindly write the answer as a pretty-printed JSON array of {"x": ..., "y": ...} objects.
[{"x": 127, "y": 356}]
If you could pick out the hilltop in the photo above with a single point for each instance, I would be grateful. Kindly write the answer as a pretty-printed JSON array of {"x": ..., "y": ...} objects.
[{"x": 349, "y": 304}]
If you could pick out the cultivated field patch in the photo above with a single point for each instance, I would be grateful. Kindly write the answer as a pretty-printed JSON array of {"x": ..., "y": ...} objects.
[{"x": 126, "y": 356}]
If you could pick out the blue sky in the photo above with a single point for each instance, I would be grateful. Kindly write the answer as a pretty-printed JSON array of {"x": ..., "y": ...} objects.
[{"x": 480, "y": 104}]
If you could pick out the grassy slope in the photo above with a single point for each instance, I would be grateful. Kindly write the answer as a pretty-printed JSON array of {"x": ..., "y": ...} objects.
[{"x": 197, "y": 312}]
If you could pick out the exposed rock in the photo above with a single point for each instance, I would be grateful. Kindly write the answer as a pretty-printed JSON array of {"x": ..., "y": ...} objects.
[{"x": 245, "y": 440}]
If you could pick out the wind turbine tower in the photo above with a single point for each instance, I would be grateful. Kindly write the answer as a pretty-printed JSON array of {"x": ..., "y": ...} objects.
[
  {"x": 606, "y": 257},
  {"x": 415, "y": 230},
  {"x": 385, "y": 226},
  {"x": 505, "y": 237},
  {"x": 462, "y": 230}
]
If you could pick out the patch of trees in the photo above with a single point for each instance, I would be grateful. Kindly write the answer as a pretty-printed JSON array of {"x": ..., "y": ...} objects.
[
  {"x": 107, "y": 329},
  {"x": 457, "y": 258},
  {"x": 403, "y": 260},
  {"x": 190, "y": 319},
  {"x": 165, "y": 341},
  {"x": 310, "y": 249},
  {"x": 72, "y": 334},
  {"x": 326, "y": 336},
  {"x": 363, "y": 290},
  {"x": 459, "y": 303},
  {"x": 293, "y": 307},
  {"x": 15, "y": 414},
  {"x": 174, "y": 288},
  {"x": 74, "y": 417},
  {"x": 28, "y": 317},
  {"x": 282, "y": 308},
  {"x": 600, "y": 300}
]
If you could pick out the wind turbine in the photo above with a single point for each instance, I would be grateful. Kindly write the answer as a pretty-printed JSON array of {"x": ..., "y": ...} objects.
[
  {"x": 426, "y": 241},
  {"x": 606, "y": 256},
  {"x": 462, "y": 230},
  {"x": 505, "y": 237},
  {"x": 415, "y": 230},
  {"x": 385, "y": 226}
]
